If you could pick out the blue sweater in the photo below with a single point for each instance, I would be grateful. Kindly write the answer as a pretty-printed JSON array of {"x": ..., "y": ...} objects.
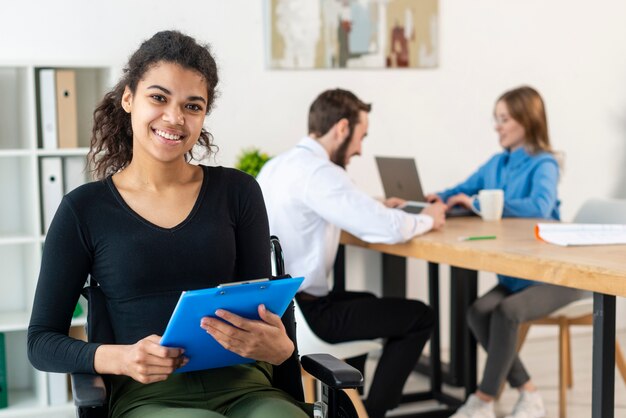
[{"x": 529, "y": 183}]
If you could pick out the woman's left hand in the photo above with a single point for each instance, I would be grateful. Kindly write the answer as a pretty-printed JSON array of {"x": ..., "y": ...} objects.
[{"x": 263, "y": 340}]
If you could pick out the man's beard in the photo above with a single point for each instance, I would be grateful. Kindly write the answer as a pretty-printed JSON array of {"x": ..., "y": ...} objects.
[{"x": 339, "y": 156}]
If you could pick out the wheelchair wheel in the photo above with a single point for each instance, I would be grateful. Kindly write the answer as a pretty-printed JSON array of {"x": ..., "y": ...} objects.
[{"x": 345, "y": 408}]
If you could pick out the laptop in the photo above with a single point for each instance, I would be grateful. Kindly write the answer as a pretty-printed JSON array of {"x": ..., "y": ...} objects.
[{"x": 400, "y": 179}]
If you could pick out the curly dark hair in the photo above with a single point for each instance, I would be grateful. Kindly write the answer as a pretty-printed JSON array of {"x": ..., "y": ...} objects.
[{"x": 112, "y": 134}]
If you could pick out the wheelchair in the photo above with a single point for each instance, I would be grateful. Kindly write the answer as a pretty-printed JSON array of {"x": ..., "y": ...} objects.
[{"x": 91, "y": 391}]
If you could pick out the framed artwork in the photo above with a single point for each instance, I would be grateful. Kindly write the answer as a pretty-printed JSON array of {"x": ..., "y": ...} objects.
[{"x": 308, "y": 34}]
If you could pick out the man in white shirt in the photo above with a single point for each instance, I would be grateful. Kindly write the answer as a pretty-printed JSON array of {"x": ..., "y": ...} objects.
[{"x": 310, "y": 199}]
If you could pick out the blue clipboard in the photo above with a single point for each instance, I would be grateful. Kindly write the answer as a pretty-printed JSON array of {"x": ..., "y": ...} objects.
[{"x": 242, "y": 298}]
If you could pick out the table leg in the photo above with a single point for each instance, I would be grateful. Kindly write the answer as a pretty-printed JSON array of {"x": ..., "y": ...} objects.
[
  {"x": 463, "y": 291},
  {"x": 603, "y": 380},
  {"x": 394, "y": 276},
  {"x": 394, "y": 284},
  {"x": 435, "y": 339},
  {"x": 339, "y": 270}
]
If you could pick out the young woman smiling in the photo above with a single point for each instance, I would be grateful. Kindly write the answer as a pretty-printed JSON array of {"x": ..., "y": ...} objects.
[{"x": 152, "y": 226}]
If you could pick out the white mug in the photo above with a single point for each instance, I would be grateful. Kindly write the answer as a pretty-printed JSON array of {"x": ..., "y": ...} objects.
[{"x": 491, "y": 204}]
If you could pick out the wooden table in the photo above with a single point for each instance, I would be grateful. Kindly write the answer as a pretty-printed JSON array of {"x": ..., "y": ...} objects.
[{"x": 516, "y": 252}]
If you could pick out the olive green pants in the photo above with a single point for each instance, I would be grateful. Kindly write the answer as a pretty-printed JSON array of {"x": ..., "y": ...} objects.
[{"x": 234, "y": 392}]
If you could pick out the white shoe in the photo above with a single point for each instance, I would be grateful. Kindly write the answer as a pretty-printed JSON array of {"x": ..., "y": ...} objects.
[
  {"x": 529, "y": 405},
  {"x": 475, "y": 408}
]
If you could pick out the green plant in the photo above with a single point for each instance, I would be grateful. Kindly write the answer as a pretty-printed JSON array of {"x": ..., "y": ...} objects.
[{"x": 251, "y": 160}]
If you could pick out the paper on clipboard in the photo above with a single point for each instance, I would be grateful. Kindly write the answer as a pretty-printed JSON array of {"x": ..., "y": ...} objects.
[
  {"x": 581, "y": 234},
  {"x": 203, "y": 351}
]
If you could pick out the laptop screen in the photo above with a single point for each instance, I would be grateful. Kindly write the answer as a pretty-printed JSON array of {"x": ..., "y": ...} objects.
[{"x": 400, "y": 179}]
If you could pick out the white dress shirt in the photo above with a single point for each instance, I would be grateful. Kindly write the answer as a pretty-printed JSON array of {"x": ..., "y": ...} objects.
[{"x": 310, "y": 200}]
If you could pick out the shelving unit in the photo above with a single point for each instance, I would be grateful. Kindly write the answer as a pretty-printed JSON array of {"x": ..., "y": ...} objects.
[{"x": 21, "y": 232}]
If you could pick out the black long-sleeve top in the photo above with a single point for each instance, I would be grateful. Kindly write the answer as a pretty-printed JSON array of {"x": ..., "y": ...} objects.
[{"x": 142, "y": 268}]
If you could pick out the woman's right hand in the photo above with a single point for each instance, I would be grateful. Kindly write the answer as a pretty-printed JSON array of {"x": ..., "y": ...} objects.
[
  {"x": 461, "y": 199},
  {"x": 433, "y": 198},
  {"x": 146, "y": 361}
]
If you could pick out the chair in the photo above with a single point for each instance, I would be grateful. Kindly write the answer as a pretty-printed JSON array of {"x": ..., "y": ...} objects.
[
  {"x": 580, "y": 312},
  {"x": 309, "y": 343},
  {"x": 90, "y": 391}
]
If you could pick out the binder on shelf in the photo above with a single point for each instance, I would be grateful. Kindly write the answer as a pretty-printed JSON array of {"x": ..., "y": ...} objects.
[
  {"x": 74, "y": 173},
  {"x": 51, "y": 188},
  {"x": 57, "y": 389},
  {"x": 48, "y": 108},
  {"x": 67, "y": 120},
  {"x": 4, "y": 388}
]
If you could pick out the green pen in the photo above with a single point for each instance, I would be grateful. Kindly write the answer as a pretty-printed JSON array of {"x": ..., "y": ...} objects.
[{"x": 477, "y": 238}]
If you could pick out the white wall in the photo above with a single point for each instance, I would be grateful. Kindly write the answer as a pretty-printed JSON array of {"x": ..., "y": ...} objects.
[{"x": 572, "y": 51}]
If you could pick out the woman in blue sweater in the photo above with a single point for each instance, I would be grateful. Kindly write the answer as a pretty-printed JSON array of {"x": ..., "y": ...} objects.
[{"x": 528, "y": 174}]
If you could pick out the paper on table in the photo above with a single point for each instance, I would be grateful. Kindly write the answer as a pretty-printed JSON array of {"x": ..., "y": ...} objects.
[{"x": 581, "y": 234}]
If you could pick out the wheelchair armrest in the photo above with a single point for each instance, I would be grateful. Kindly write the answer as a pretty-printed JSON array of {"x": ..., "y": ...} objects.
[
  {"x": 88, "y": 390},
  {"x": 332, "y": 371}
]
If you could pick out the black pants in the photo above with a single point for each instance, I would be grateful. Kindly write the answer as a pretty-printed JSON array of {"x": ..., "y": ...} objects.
[{"x": 405, "y": 325}]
